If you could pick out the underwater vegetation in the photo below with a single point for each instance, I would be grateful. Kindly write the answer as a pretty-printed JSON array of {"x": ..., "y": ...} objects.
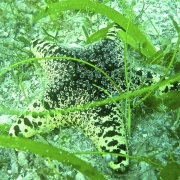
[{"x": 158, "y": 96}]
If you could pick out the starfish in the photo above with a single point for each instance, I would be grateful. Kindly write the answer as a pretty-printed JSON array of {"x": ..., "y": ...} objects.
[{"x": 71, "y": 83}]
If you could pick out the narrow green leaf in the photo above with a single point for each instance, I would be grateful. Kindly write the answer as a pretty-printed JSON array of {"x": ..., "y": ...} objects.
[
  {"x": 87, "y": 5},
  {"x": 24, "y": 40},
  {"x": 130, "y": 39},
  {"x": 175, "y": 24},
  {"x": 99, "y": 34},
  {"x": 156, "y": 58},
  {"x": 128, "y": 95},
  {"x": 51, "y": 152}
]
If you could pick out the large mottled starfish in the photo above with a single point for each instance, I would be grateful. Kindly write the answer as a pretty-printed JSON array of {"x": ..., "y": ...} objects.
[{"x": 72, "y": 83}]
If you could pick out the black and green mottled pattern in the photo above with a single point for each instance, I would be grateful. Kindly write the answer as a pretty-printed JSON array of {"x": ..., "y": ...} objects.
[{"x": 71, "y": 83}]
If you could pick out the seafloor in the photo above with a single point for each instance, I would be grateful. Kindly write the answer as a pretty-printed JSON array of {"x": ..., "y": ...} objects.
[{"x": 153, "y": 134}]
